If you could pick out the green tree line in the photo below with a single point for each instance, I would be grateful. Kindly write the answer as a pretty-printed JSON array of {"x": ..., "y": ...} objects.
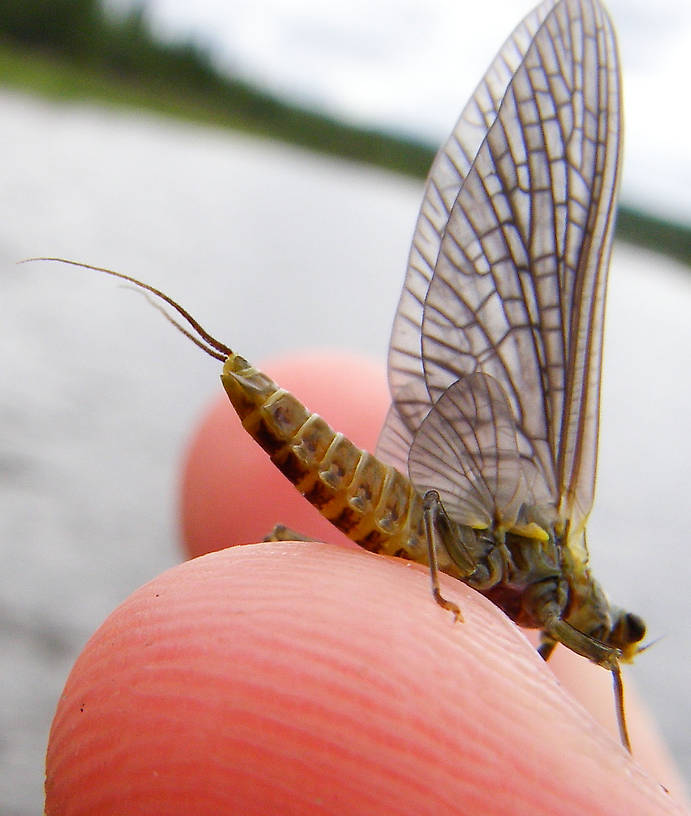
[
  {"x": 123, "y": 48},
  {"x": 78, "y": 48},
  {"x": 84, "y": 32}
]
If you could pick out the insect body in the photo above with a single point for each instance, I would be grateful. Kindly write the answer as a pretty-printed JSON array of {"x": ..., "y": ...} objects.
[{"x": 495, "y": 356}]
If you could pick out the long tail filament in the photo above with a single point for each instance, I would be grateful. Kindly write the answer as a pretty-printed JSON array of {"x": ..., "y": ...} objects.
[{"x": 201, "y": 337}]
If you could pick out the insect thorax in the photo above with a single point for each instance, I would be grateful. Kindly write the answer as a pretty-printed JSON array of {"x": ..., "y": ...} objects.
[{"x": 522, "y": 575}]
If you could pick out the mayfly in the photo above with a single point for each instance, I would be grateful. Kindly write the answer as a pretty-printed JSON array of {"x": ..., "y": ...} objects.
[{"x": 495, "y": 356}]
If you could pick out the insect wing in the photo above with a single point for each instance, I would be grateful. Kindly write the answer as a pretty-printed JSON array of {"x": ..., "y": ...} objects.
[
  {"x": 518, "y": 287},
  {"x": 410, "y": 398},
  {"x": 467, "y": 450}
]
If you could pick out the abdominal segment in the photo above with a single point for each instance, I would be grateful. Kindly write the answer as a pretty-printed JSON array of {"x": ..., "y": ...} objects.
[{"x": 372, "y": 503}]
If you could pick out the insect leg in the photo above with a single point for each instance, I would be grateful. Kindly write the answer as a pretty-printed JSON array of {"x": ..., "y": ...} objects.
[
  {"x": 547, "y": 645},
  {"x": 433, "y": 511},
  {"x": 280, "y": 532},
  {"x": 600, "y": 653},
  {"x": 618, "y": 685}
]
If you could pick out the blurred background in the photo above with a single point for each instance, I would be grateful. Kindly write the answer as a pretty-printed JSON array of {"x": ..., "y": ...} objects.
[{"x": 263, "y": 163}]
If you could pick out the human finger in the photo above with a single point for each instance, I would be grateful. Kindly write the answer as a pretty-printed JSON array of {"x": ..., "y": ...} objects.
[{"x": 305, "y": 678}]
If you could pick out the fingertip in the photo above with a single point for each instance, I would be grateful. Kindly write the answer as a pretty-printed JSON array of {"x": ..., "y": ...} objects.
[
  {"x": 591, "y": 686},
  {"x": 326, "y": 678}
]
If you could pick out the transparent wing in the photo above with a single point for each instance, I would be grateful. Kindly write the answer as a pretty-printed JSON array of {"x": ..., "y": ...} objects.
[
  {"x": 410, "y": 400},
  {"x": 467, "y": 449},
  {"x": 518, "y": 287}
]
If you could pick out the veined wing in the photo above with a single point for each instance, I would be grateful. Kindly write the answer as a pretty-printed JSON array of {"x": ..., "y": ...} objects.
[
  {"x": 410, "y": 399},
  {"x": 467, "y": 450},
  {"x": 518, "y": 288}
]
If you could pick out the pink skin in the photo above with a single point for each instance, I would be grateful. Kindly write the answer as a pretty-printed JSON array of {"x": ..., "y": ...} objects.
[{"x": 306, "y": 678}]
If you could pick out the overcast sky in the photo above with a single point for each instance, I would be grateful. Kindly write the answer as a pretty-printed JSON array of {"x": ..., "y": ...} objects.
[{"x": 410, "y": 65}]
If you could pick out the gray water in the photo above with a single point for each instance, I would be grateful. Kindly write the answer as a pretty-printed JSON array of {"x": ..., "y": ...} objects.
[{"x": 273, "y": 249}]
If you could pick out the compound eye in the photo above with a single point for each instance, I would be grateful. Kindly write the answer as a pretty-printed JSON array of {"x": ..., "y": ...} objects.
[{"x": 635, "y": 628}]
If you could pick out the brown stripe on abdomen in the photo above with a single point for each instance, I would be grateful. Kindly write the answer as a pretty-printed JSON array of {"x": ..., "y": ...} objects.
[{"x": 371, "y": 502}]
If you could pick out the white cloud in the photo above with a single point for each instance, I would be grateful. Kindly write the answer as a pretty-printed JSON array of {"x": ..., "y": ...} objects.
[{"x": 411, "y": 64}]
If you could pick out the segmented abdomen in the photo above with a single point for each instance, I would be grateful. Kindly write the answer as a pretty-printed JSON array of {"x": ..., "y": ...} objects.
[{"x": 372, "y": 503}]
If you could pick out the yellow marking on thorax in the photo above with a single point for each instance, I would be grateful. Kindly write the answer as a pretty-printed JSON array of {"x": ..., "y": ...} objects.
[{"x": 530, "y": 530}]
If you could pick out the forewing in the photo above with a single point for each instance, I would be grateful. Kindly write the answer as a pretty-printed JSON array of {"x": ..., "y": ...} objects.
[
  {"x": 518, "y": 289},
  {"x": 410, "y": 399}
]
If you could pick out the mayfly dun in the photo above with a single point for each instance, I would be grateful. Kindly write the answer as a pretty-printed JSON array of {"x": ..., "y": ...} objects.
[{"x": 495, "y": 355}]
